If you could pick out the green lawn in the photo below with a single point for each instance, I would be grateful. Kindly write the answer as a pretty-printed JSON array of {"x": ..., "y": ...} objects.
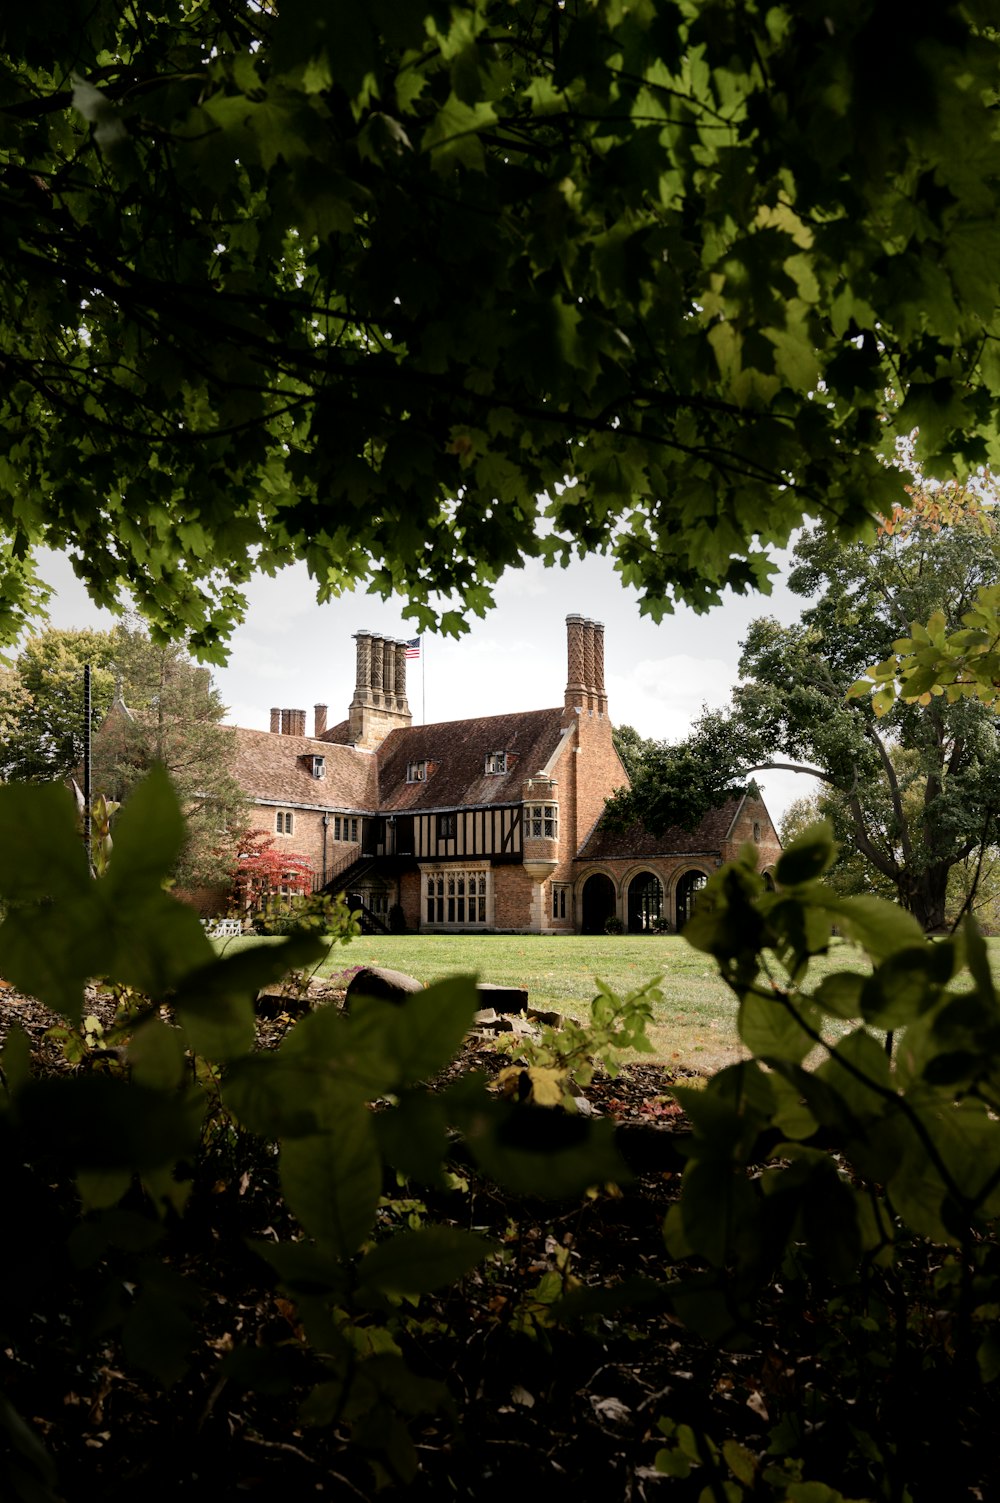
[{"x": 694, "y": 1024}]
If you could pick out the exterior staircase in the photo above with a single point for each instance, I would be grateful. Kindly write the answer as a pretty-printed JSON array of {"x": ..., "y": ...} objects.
[
  {"x": 349, "y": 871},
  {"x": 344, "y": 874}
]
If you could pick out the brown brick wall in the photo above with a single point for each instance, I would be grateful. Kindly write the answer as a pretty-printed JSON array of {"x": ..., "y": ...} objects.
[
  {"x": 306, "y": 839},
  {"x": 207, "y": 902},
  {"x": 768, "y": 847},
  {"x": 594, "y": 772},
  {"x": 409, "y": 899},
  {"x": 512, "y": 893}
]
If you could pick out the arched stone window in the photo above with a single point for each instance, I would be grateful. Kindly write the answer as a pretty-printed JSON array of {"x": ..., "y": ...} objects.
[
  {"x": 645, "y": 903},
  {"x": 687, "y": 890}
]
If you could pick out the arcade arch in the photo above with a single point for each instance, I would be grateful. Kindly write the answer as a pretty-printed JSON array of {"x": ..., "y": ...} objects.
[
  {"x": 599, "y": 903},
  {"x": 645, "y": 903},
  {"x": 688, "y": 887}
]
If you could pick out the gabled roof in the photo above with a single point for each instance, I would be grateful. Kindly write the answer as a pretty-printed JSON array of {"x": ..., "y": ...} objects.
[
  {"x": 636, "y": 842},
  {"x": 456, "y": 752},
  {"x": 277, "y": 768},
  {"x": 339, "y": 733}
]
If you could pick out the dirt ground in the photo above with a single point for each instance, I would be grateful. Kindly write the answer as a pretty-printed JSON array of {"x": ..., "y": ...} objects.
[
  {"x": 526, "y": 1405},
  {"x": 524, "y": 1402}
]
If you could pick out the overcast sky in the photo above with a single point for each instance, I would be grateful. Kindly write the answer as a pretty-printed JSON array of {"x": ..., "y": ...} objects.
[{"x": 293, "y": 653}]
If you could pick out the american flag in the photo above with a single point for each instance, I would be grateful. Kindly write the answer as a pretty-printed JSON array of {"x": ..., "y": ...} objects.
[{"x": 413, "y": 647}]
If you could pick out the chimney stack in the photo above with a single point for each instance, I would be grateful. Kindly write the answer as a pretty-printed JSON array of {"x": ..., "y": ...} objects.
[
  {"x": 588, "y": 664},
  {"x": 319, "y": 721},
  {"x": 389, "y": 673},
  {"x": 599, "y": 689},
  {"x": 575, "y": 688},
  {"x": 401, "y": 704},
  {"x": 379, "y": 704},
  {"x": 276, "y": 722},
  {"x": 293, "y": 722},
  {"x": 585, "y": 666}
]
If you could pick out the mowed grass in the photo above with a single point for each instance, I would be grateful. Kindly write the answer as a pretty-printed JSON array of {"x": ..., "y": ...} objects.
[{"x": 694, "y": 1025}]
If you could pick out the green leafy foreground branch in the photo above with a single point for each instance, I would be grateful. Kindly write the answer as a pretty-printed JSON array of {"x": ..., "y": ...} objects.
[
  {"x": 376, "y": 287},
  {"x": 833, "y": 1179},
  {"x": 834, "y": 1194},
  {"x": 131, "y": 1136}
]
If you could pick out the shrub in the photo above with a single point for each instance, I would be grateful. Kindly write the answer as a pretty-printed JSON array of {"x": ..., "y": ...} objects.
[
  {"x": 397, "y": 919},
  {"x": 99, "y": 1165},
  {"x": 311, "y": 913}
]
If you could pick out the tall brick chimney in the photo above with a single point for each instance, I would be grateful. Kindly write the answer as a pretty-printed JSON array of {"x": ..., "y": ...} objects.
[
  {"x": 576, "y": 689},
  {"x": 585, "y": 666},
  {"x": 379, "y": 704},
  {"x": 599, "y": 689},
  {"x": 288, "y": 722},
  {"x": 319, "y": 721}
]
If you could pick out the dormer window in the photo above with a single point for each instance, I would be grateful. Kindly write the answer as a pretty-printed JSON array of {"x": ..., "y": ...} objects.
[
  {"x": 319, "y": 767},
  {"x": 416, "y": 772},
  {"x": 496, "y": 761}
]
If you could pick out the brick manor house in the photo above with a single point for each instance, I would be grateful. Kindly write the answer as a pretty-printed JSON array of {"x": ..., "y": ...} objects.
[{"x": 492, "y": 823}]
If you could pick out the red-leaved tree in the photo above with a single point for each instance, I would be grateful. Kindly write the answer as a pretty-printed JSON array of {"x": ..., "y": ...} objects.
[{"x": 262, "y": 872}]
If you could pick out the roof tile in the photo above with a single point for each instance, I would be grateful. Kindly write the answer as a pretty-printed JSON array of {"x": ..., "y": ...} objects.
[
  {"x": 272, "y": 766},
  {"x": 637, "y": 842},
  {"x": 456, "y": 752}
]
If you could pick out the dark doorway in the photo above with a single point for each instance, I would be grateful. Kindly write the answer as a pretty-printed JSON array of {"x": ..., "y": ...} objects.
[
  {"x": 372, "y": 836},
  {"x": 645, "y": 903},
  {"x": 598, "y": 903},
  {"x": 687, "y": 891}
]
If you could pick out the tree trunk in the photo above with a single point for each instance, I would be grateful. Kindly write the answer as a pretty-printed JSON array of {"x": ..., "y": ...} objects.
[{"x": 925, "y": 895}]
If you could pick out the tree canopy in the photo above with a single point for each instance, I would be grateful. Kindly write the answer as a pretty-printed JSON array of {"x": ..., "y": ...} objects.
[
  {"x": 149, "y": 704},
  {"x": 42, "y": 702},
  {"x": 377, "y": 286},
  {"x": 916, "y": 790}
]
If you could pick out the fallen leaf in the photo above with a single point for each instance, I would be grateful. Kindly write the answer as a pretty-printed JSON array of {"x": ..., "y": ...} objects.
[{"x": 611, "y": 1409}]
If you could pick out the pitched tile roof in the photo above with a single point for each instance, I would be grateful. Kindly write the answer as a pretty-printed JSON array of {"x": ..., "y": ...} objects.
[
  {"x": 456, "y": 752},
  {"x": 274, "y": 767},
  {"x": 636, "y": 842},
  {"x": 339, "y": 733}
]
